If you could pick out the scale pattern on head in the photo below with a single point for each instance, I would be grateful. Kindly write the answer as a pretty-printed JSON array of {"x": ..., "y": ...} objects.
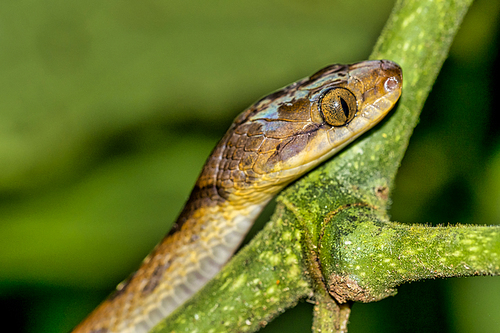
[{"x": 290, "y": 131}]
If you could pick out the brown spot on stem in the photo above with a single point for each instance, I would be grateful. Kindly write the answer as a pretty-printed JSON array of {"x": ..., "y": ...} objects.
[
  {"x": 344, "y": 289},
  {"x": 382, "y": 192}
]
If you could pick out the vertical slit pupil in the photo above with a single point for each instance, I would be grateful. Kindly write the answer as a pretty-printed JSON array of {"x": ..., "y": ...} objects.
[{"x": 345, "y": 107}]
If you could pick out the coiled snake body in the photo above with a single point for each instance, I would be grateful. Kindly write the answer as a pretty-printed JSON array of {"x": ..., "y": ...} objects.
[{"x": 270, "y": 144}]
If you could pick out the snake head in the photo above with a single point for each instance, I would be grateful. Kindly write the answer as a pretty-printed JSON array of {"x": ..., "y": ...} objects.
[{"x": 292, "y": 130}]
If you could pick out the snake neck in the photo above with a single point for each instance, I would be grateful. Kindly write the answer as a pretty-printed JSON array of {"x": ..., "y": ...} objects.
[
  {"x": 208, "y": 231},
  {"x": 224, "y": 190}
]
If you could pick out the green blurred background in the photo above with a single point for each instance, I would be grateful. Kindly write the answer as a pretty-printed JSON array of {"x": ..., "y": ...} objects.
[{"x": 108, "y": 110}]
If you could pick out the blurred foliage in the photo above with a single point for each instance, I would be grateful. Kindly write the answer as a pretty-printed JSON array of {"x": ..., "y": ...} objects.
[{"x": 109, "y": 109}]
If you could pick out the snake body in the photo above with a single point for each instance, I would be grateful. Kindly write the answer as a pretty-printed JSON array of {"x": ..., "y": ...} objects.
[{"x": 270, "y": 144}]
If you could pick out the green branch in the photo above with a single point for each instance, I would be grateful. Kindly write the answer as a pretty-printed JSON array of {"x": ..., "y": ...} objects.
[
  {"x": 364, "y": 258},
  {"x": 330, "y": 238}
]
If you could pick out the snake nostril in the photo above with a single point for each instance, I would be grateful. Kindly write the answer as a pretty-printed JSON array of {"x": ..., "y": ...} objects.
[{"x": 391, "y": 84}]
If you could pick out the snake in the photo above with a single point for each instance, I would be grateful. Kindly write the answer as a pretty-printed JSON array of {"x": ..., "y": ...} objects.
[{"x": 270, "y": 144}]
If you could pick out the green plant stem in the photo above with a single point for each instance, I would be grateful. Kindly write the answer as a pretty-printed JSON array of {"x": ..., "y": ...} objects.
[
  {"x": 330, "y": 316},
  {"x": 371, "y": 256}
]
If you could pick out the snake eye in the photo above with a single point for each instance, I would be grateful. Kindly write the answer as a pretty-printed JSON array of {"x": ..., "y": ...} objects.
[{"x": 338, "y": 106}]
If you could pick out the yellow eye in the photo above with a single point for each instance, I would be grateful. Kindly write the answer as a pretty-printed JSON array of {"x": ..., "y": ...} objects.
[{"x": 338, "y": 106}]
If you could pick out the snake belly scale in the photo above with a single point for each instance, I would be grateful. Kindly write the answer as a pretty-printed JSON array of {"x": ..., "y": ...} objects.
[{"x": 270, "y": 144}]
